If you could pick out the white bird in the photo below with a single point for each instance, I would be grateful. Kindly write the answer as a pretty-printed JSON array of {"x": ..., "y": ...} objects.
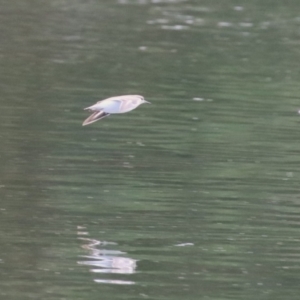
[{"x": 113, "y": 105}]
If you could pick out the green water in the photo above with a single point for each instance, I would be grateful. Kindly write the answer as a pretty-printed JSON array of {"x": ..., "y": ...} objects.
[{"x": 192, "y": 197}]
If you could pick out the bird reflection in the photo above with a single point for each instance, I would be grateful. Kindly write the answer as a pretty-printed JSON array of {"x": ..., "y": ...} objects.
[{"x": 101, "y": 260}]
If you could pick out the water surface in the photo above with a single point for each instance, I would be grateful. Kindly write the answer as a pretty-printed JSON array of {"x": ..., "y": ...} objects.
[{"x": 193, "y": 197}]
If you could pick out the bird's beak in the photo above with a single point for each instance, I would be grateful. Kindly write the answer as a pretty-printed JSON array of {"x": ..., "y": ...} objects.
[{"x": 147, "y": 102}]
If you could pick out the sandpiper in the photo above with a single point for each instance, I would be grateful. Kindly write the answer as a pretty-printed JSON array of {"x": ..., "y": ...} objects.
[{"x": 113, "y": 105}]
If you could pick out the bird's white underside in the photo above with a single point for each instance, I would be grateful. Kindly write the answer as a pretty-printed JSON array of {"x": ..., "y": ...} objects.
[
  {"x": 117, "y": 105},
  {"x": 108, "y": 106}
]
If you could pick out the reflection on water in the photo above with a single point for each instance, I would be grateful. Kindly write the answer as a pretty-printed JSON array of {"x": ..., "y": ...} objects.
[
  {"x": 106, "y": 261},
  {"x": 111, "y": 281}
]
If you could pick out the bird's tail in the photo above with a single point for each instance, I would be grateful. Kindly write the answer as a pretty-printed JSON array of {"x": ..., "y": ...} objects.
[{"x": 95, "y": 116}]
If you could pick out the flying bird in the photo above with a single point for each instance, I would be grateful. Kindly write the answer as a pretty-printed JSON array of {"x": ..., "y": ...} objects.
[{"x": 113, "y": 105}]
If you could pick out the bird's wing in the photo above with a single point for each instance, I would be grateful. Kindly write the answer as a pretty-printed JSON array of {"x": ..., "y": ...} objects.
[
  {"x": 128, "y": 105},
  {"x": 97, "y": 115}
]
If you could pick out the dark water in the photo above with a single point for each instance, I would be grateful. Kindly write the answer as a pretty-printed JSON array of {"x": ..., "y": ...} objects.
[{"x": 193, "y": 197}]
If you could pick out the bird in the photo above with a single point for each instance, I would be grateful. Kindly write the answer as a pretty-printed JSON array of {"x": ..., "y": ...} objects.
[{"x": 113, "y": 105}]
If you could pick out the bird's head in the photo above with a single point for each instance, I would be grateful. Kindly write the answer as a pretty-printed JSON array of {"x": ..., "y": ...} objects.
[{"x": 143, "y": 100}]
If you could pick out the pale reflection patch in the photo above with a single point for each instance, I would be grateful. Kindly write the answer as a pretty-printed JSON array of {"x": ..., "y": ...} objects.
[
  {"x": 184, "y": 244},
  {"x": 149, "y": 1},
  {"x": 106, "y": 261},
  {"x": 114, "y": 281}
]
